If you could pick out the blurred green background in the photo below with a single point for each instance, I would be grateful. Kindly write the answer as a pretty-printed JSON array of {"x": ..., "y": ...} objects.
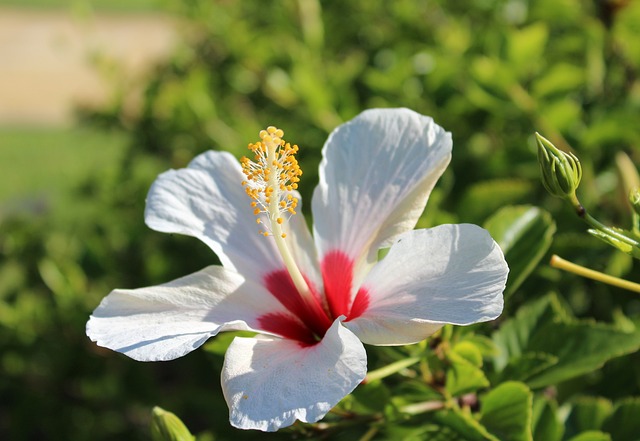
[{"x": 492, "y": 72}]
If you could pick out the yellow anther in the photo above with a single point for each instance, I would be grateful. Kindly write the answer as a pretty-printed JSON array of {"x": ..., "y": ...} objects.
[
  {"x": 273, "y": 173},
  {"x": 270, "y": 176}
]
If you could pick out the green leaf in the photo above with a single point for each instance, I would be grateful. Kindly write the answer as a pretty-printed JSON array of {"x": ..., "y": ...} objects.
[
  {"x": 506, "y": 412},
  {"x": 484, "y": 344},
  {"x": 613, "y": 240},
  {"x": 524, "y": 233},
  {"x": 545, "y": 327},
  {"x": 525, "y": 366},
  {"x": 588, "y": 413},
  {"x": 593, "y": 435},
  {"x": 512, "y": 339},
  {"x": 372, "y": 396},
  {"x": 624, "y": 424},
  {"x": 493, "y": 75},
  {"x": 545, "y": 422},
  {"x": 463, "y": 425},
  {"x": 219, "y": 344},
  {"x": 526, "y": 47},
  {"x": 463, "y": 376},
  {"x": 469, "y": 352},
  {"x": 581, "y": 347},
  {"x": 484, "y": 198},
  {"x": 563, "y": 113},
  {"x": 561, "y": 78}
]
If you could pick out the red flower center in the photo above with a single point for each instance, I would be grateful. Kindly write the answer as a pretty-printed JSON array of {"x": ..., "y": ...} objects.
[{"x": 308, "y": 322}]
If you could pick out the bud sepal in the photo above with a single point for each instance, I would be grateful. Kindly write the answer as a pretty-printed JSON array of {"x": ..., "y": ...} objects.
[{"x": 561, "y": 171}]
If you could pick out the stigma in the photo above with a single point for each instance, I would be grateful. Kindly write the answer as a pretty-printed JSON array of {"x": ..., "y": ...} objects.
[{"x": 271, "y": 177}]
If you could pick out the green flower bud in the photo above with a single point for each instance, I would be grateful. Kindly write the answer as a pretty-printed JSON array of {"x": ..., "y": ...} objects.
[
  {"x": 166, "y": 426},
  {"x": 561, "y": 171}
]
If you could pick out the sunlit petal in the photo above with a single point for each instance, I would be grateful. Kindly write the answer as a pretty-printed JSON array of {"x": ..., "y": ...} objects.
[
  {"x": 375, "y": 178},
  {"x": 447, "y": 274},
  {"x": 271, "y": 383},
  {"x": 207, "y": 201},
  {"x": 167, "y": 321}
]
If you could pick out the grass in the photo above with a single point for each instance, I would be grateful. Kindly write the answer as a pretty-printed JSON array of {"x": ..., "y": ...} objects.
[{"x": 42, "y": 167}]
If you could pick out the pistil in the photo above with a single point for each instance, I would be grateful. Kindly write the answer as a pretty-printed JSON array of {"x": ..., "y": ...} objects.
[{"x": 271, "y": 177}]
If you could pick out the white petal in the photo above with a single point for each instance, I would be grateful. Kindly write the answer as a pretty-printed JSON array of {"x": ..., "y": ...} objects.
[
  {"x": 168, "y": 321},
  {"x": 447, "y": 274},
  {"x": 376, "y": 175},
  {"x": 207, "y": 201},
  {"x": 270, "y": 383}
]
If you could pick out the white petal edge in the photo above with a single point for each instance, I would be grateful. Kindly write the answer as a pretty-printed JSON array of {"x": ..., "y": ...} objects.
[
  {"x": 376, "y": 175},
  {"x": 207, "y": 201},
  {"x": 447, "y": 274},
  {"x": 167, "y": 321},
  {"x": 271, "y": 383}
]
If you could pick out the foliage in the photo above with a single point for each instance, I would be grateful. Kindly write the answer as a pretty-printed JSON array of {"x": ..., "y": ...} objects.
[{"x": 560, "y": 364}]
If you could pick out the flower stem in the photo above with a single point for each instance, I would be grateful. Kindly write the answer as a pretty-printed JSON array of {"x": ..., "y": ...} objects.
[
  {"x": 599, "y": 226},
  {"x": 558, "y": 262},
  {"x": 423, "y": 407},
  {"x": 390, "y": 369},
  {"x": 592, "y": 221}
]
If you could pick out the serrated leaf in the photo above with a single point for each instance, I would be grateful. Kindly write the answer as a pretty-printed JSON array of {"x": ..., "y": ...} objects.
[
  {"x": 624, "y": 422},
  {"x": 484, "y": 344},
  {"x": 506, "y": 412},
  {"x": 581, "y": 347},
  {"x": 464, "y": 425},
  {"x": 512, "y": 339},
  {"x": 463, "y": 376},
  {"x": 588, "y": 413},
  {"x": 469, "y": 352},
  {"x": 545, "y": 423},
  {"x": 544, "y": 327},
  {"x": 484, "y": 198},
  {"x": 524, "y": 234},
  {"x": 525, "y": 366},
  {"x": 593, "y": 435}
]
